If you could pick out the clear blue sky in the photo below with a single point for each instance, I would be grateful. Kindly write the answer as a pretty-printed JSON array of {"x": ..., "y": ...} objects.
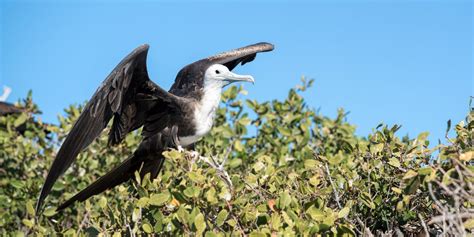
[{"x": 404, "y": 62}]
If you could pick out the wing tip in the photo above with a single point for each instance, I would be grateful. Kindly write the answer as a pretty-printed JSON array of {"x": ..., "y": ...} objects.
[
  {"x": 266, "y": 46},
  {"x": 139, "y": 50},
  {"x": 39, "y": 203},
  {"x": 144, "y": 46},
  {"x": 45, "y": 189}
]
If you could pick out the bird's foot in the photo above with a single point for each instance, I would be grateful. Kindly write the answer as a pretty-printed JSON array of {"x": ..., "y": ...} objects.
[
  {"x": 180, "y": 149},
  {"x": 194, "y": 154}
]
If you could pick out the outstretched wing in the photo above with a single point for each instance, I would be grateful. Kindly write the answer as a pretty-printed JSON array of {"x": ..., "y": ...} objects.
[
  {"x": 126, "y": 94},
  {"x": 242, "y": 55}
]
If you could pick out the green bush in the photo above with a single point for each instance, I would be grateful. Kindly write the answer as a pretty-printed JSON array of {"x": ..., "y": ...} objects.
[{"x": 287, "y": 170}]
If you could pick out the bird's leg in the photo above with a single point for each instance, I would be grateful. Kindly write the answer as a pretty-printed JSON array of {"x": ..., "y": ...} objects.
[
  {"x": 226, "y": 156},
  {"x": 175, "y": 139},
  {"x": 215, "y": 163},
  {"x": 194, "y": 154}
]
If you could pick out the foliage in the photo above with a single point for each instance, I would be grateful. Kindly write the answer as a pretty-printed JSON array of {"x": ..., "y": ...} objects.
[{"x": 292, "y": 172}]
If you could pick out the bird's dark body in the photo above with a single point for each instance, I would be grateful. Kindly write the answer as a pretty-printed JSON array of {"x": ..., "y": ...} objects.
[
  {"x": 7, "y": 108},
  {"x": 133, "y": 101}
]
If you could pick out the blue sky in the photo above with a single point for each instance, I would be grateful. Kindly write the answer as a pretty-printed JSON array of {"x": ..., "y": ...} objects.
[{"x": 398, "y": 62}]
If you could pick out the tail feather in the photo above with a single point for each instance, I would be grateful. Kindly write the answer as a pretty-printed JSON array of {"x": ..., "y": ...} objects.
[{"x": 118, "y": 175}]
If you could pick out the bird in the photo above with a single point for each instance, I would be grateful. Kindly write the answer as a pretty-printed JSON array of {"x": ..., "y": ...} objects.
[
  {"x": 7, "y": 109},
  {"x": 175, "y": 118}
]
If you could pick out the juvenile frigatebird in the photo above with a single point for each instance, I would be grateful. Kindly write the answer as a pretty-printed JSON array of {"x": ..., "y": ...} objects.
[
  {"x": 172, "y": 119},
  {"x": 7, "y": 108}
]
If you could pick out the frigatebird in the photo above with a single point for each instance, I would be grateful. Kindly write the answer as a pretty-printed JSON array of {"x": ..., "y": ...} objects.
[
  {"x": 170, "y": 119},
  {"x": 7, "y": 108}
]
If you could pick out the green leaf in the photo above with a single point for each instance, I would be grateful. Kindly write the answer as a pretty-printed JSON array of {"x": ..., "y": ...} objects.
[
  {"x": 182, "y": 214},
  {"x": 367, "y": 200},
  {"x": 189, "y": 192},
  {"x": 18, "y": 234},
  {"x": 147, "y": 228},
  {"x": 447, "y": 176},
  {"x": 377, "y": 147},
  {"x": 172, "y": 154},
  {"x": 28, "y": 223},
  {"x": 423, "y": 136},
  {"x": 221, "y": 217},
  {"x": 344, "y": 212},
  {"x": 310, "y": 164},
  {"x": 258, "y": 166},
  {"x": 234, "y": 163},
  {"x": 245, "y": 121},
  {"x": 17, "y": 184},
  {"x": 117, "y": 234},
  {"x": 211, "y": 196},
  {"x": 159, "y": 199},
  {"x": 284, "y": 131},
  {"x": 284, "y": 200},
  {"x": 196, "y": 177},
  {"x": 238, "y": 146},
  {"x": 70, "y": 232},
  {"x": 425, "y": 171},
  {"x": 143, "y": 202},
  {"x": 50, "y": 211},
  {"x": 200, "y": 224},
  {"x": 410, "y": 174},
  {"x": 315, "y": 213},
  {"x": 275, "y": 221},
  {"x": 469, "y": 224},
  {"x": 102, "y": 202},
  {"x": 29, "y": 208},
  {"x": 394, "y": 162},
  {"x": 20, "y": 120},
  {"x": 210, "y": 234},
  {"x": 396, "y": 190}
]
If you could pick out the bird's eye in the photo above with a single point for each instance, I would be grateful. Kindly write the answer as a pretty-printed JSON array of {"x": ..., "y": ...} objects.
[{"x": 217, "y": 72}]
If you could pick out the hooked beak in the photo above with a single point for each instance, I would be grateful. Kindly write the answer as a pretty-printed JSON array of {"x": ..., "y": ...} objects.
[{"x": 232, "y": 77}]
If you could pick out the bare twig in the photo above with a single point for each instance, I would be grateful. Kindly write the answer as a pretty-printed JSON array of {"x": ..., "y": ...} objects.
[
  {"x": 83, "y": 222},
  {"x": 132, "y": 234},
  {"x": 439, "y": 205},
  {"x": 220, "y": 170},
  {"x": 367, "y": 232},
  {"x": 425, "y": 228},
  {"x": 211, "y": 161},
  {"x": 336, "y": 194},
  {"x": 440, "y": 218}
]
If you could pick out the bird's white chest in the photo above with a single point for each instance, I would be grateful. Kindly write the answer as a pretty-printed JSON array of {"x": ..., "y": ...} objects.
[{"x": 204, "y": 114}]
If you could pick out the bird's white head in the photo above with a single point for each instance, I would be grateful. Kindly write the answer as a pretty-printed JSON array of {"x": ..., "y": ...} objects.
[{"x": 220, "y": 75}]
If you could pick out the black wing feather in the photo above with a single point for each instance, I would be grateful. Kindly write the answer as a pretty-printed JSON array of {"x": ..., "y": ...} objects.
[
  {"x": 116, "y": 96},
  {"x": 242, "y": 55}
]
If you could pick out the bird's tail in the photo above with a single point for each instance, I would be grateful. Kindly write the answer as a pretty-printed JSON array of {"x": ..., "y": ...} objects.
[{"x": 118, "y": 175}]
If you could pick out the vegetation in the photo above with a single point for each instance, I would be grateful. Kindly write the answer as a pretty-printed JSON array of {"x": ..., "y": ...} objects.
[{"x": 286, "y": 170}]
